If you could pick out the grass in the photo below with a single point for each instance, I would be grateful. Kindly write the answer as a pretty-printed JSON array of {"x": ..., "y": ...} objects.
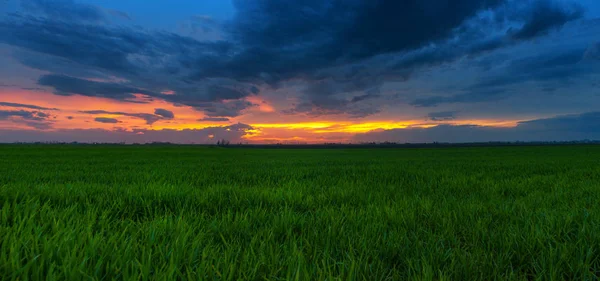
[{"x": 199, "y": 213}]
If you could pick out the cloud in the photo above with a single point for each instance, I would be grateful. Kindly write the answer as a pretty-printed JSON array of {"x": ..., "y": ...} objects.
[
  {"x": 549, "y": 68},
  {"x": 442, "y": 116},
  {"x": 213, "y": 119},
  {"x": 56, "y": 65},
  {"x": 351, "y": 91},
  {"x": 350, "y": 47},
  {"x": 149, "y": 118},
  {"x": 593, "y": 52},
  {"x": 225, "y": 109},
  {"x": 215, "y": 91},
  {"x": 340, "y": 51},
  {"x": 199, "y": 24},
  {"x": 233, "y": 133},
  {"x": 334, "y": 33},
  {"x": 28, "y": 106},
  {"x": 339, "y": 30},
  {"x": 577, "y": 123},
  {"x": 65, "y": 10},
  {"x": 211, "y": 103},
  {"x": 106, "y": 120},
  {"x": 29, "y": 115},
  {"x": 240, "y": 127},
  {"x": 544, "y": 16},
  {"x": 145, "y": 58},
  {"x": 34, "y": 119},
  {"x": 119, "y": 14},
  {"x": 559, "y": 128},
  {"x": 333, "y": 106},
  {"x": 66, "y": 86},
  {"x": 470, "y": 96},
  {"x": 164, "y": 113}
]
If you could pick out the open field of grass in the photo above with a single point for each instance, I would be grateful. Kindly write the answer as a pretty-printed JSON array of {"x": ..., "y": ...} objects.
[{"x": 202, "y": 213}]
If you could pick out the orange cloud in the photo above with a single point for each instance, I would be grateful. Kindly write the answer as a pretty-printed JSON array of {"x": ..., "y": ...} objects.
[
  {"x": 263, "y": 105},
  {"x": 286, "y": 129}
]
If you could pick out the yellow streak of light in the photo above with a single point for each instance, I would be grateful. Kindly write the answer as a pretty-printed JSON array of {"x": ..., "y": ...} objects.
[
  {"x": 341, "y": 127},
  {"x": 306, "y": 125},
  {"x": 328, "y": 127},
  {"x": 186, "y": 126}
]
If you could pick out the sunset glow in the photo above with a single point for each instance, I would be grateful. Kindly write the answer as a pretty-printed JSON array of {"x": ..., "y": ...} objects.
[{"x": 249, "y": 74}]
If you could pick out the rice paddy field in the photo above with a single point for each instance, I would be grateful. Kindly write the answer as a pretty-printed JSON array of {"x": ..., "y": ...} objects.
[{"x": 210, "y": 213}]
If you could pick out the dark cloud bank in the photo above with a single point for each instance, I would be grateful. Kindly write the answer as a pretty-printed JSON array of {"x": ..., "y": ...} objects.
[
  {"x": 159, "y": 114},
  {"x": 233, "y": 133},
  {"x": 29, "y": 106},
  {"x": 343, "y": 50},
  {"x": 33, "y": 116},
  {"x": 559, "y": 128}
]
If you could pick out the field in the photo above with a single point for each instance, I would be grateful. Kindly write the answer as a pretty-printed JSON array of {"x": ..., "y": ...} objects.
[{"x": 209, "y": 213}]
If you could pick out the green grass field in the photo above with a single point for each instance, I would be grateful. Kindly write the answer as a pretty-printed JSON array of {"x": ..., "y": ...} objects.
[{"x": 207, "y": 213}]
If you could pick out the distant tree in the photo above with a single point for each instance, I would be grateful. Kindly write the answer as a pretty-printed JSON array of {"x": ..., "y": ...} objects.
[{"x": 223, "y": 142}]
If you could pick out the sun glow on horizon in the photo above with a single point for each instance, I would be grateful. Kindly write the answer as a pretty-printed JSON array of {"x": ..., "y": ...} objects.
[{"x": 69, "y": 113}]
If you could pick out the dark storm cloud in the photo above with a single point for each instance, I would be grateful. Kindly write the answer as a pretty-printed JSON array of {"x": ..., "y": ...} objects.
[
  {"x": 556, "y": 68},
  {"x": 215, "y": 90},
  {"x": 29, "y": 106},
  {"x": 56, "y": 65},
  {"x": 537, "y": 18},
  {"x": 228, "y": 109},
  {"x": 228, "y": 92},
  {"x": 91, "y": 46},
  {"x": 210, "y": 102},
  {"x": 106, "y": 120},
  {"x": 334, "y": 33},
  {"x": 538, "y": 65},
  {"x": 213, "y": 119},
  {"x": 66, "y": 86},
  {"x": 366, "y": 96},
  {"x": 164, "y": 113},
  {"x": 335, "y": 47},
  {"x": 333, "y": 106},
  {"x": 233, "y": 133},
  {"x": 149, "y": 118},
  {"x": 146, "y": 60},
  {"x": 583, "y": 123},
  {"x": 469, "y": 96},
  {"x": 341, "y": 30},
  {"x": 559, "y": 128},
  {"x": 544, "y": 16},
  {"x": 442, "y": 116},
  {"x": 158, "y": 60}
]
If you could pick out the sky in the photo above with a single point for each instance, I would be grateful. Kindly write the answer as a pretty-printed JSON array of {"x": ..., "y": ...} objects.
[{"x": 313, "y": 71}]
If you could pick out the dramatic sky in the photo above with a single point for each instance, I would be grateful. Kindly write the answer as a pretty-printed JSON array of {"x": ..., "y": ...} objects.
[{"x": 311, "y": 71}]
